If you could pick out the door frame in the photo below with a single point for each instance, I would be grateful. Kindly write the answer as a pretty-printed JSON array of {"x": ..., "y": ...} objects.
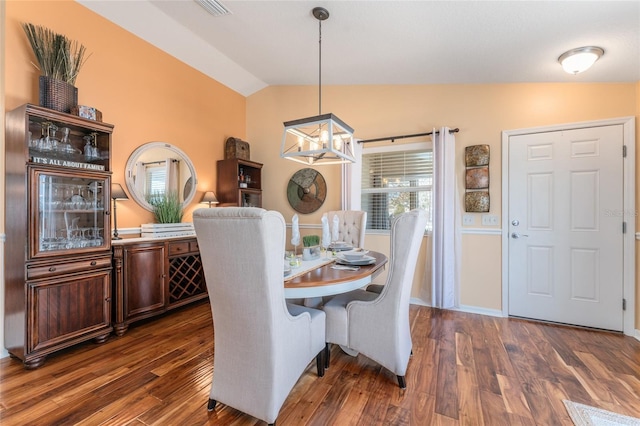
[{"x": 629, "y": 208}]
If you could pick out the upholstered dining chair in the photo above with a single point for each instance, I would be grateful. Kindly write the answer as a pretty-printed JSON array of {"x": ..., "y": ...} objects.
[
  {"x": 377, "y": 325},
  {"x": 353, "y": 224},
  {"x": 262, "y": 345}
]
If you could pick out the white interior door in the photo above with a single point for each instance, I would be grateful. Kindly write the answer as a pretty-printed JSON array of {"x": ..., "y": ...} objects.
[{"x": 565, "y": 226}]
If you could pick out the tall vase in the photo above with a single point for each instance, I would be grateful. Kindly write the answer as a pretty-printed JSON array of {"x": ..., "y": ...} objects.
[{"x": 58, "y": 95}]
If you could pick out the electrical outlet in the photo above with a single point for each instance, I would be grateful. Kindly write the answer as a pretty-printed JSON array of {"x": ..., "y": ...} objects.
[
  {"x": 489, "y": 220},
  {"x": 468, "y": 219}
]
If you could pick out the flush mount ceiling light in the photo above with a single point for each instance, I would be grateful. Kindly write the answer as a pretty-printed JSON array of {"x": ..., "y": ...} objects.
[
  {"x": 578, "y": 60},
  {"x": 321, "y": 139}
]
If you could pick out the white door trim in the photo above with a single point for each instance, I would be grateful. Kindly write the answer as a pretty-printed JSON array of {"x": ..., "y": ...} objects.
[{"x": 629, "y": 212}]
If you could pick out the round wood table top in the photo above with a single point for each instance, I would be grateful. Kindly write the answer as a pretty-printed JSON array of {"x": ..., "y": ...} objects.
[{"x": 325, "y": 281}]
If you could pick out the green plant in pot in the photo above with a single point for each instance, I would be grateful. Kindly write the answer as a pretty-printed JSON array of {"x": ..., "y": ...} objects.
[
  {"x": 311, "y": 248},
  {"x": 167, "y": 207},
  {"x": 59, "y": 60}
]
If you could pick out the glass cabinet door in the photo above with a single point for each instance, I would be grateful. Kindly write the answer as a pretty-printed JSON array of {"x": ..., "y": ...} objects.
[
  {"x": 71, "y": 212},
  {"x": 249, "y": 198}
]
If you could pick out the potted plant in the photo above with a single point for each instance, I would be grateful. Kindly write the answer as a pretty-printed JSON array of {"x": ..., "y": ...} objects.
[
  {"x": 167, "y": 207},
  {"x": 59, "y": 61},
  {"x": 168, "y": 212},
  {"x": 311, "y": 248}
]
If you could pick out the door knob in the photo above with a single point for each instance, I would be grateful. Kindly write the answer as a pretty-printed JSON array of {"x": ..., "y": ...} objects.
[{"x": 516, "y": 235}]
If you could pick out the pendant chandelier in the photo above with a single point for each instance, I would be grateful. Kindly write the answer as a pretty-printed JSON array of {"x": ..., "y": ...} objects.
[{"x": 321, "y": 139}]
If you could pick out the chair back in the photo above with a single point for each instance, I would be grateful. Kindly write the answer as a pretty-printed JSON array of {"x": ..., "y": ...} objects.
[
  {"x": 242, "y": 252},
  {"x": 407, "y": 231},
  {"x": 382, "y": 330},
  {"x": 353, "y": 224}
]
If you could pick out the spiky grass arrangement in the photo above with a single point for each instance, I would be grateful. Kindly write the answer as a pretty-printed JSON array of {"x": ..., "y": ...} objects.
[
  {"x": 310, "y": 240},
  {"x": 166, "y": 207},
  {"x": 57, "y": 56}
]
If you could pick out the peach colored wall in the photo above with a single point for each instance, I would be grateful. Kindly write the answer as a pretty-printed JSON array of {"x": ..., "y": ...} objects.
[
  {"x": 147, "y": 94},
  {"x": 637, "y": 114},
  {"x": 481, "y": 112},
  {"x": 479, "y": 278}
]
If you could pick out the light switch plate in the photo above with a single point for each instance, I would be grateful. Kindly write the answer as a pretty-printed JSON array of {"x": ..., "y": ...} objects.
[
  {"x": 489, "y": 220},
  {"x": 468, "y": 219}
]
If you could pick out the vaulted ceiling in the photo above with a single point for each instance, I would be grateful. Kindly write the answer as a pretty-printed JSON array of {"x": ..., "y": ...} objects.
[{"x": 262, "y": 43}]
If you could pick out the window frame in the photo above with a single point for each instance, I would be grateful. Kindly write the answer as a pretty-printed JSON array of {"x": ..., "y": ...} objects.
[{"x": 415, "y": 146}]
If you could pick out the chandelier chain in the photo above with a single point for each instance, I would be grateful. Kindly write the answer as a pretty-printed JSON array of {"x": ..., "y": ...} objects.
[{"x": 319, "y": 67}]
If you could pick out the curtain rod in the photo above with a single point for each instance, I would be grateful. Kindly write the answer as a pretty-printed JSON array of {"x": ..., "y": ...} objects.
[
  {"x": 393, "y": 138},
  {"x": 173, "y": 160}
]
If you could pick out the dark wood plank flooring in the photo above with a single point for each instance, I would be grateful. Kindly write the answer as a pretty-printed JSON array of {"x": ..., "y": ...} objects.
[{"x": 466, "y": 369}]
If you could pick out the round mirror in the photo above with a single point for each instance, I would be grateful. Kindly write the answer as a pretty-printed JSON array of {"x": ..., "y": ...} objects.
[{"x": 160, "y": 168}]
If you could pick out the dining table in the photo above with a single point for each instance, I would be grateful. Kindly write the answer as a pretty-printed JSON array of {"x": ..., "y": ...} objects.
[{"x": 325, "y": 280}]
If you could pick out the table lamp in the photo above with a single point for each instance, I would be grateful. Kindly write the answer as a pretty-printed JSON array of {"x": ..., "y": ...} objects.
[
  {"x": 209, "y": 197},
  {"x": 117, "y": 193}
]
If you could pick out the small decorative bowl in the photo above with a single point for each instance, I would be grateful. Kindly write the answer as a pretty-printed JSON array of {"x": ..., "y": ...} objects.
[{"x": 355, "y": 254}]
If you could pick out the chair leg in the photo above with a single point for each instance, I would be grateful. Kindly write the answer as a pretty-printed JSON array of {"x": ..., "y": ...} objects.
[
  {"x": 320, "y": 363},
  {"x": 401, "y": 382},
  {"x": 327, "y": 355},
  {"x": 211, "y": 405}
]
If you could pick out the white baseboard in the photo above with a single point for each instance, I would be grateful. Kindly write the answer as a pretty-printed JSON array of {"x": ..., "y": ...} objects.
[
  {"x": 463, "y": 308},
  {"x": 481, "y": 311}
]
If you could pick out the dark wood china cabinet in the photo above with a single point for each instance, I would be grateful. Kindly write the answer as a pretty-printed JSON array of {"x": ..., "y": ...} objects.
[{"x": 58, "y": 232}]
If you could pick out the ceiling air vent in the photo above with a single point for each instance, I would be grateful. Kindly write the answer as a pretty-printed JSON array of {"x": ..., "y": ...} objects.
[{"x": 214, "y": 7}]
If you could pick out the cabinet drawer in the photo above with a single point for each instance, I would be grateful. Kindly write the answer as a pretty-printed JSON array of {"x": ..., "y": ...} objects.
[
  {"x": 178, "y": 248},
  {"x": 40, "y": 271},
  {"x": 193, "y": 246}
]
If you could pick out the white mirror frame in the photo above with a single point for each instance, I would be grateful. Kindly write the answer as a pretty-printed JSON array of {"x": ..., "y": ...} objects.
[{"x": 131, "y": 163}]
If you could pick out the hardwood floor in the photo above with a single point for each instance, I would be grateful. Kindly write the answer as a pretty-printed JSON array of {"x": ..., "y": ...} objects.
[{"x": 466, "y": 370}]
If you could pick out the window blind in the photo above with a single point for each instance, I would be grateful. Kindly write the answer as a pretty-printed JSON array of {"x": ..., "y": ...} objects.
[
  {"x": 156, "y": 177},
  {"x": 395, "y": 182}
]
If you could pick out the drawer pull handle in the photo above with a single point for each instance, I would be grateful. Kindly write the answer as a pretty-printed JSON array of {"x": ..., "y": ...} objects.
[
  {"x": 94, "y": 263},
  {"x": 52, "y": 269},
  {"x": 108, "y": 299}
]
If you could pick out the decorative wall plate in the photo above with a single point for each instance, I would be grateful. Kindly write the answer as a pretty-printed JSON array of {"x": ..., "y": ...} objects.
[{"x": 306, "y": 190}]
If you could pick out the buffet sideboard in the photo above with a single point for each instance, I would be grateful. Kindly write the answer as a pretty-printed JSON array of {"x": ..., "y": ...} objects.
[{"x": 153, "y": 276}]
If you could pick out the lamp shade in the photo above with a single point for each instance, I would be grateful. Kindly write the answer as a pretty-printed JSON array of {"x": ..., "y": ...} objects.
[
  {"x": 581, "y": 59},
  {"x": 117, "y": 193},
  {"x": 209, "y": 197},
  {"x": 322, "y": 139}
]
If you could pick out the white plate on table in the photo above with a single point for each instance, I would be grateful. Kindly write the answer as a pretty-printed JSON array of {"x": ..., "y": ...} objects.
[
  {"x": 287, "y": 269},
  {"x": 340, "y": 246},
  {"x": 365, "y": 260}
]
